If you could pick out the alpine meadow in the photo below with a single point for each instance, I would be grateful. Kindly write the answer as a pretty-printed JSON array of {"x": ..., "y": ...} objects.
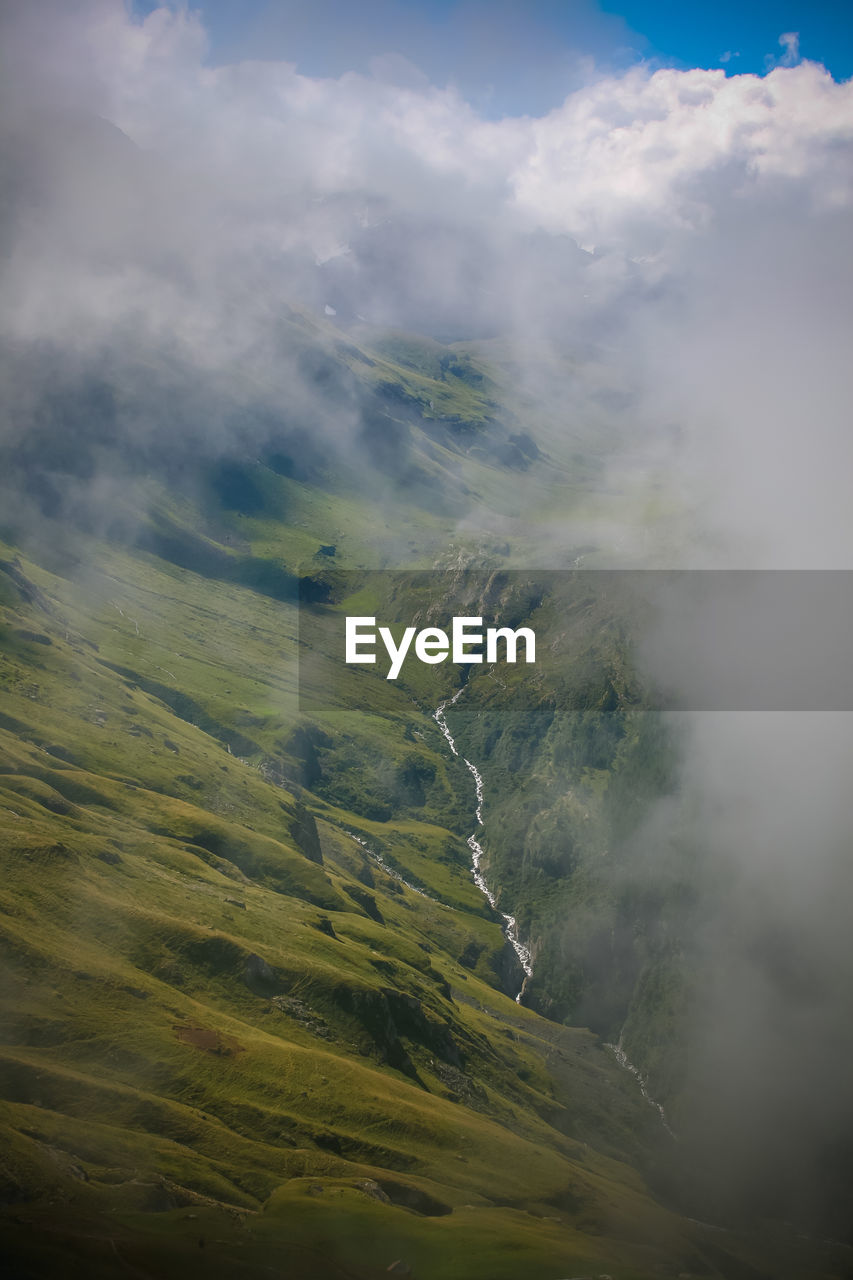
[{"x": 426, "y": 590}]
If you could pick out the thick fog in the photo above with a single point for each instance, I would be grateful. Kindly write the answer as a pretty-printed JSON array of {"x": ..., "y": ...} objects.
[
  {"x": 161, "y": 214},
  {"x": 160, "y": 211}
]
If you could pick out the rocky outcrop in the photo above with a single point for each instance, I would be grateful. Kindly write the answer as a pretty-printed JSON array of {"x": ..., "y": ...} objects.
[
  {"x": 391, "y": 1017},
  {"x": 304, "y": 834}
]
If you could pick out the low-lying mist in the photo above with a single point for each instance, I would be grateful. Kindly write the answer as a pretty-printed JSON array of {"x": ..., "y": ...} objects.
[{"x": 184, "y": 244}]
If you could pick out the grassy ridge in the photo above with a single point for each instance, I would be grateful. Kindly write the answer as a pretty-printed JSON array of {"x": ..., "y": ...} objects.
[
  {"x": 205, "y": 1023},
  {"x": 191, "y": 1000},
  {"x": 254, "y": 1010}
]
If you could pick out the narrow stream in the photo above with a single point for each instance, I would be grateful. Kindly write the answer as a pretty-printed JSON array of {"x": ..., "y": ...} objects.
[
  {"x": 386, "y": 867},
  {"x": 477, "y": 852},
  {"x": 625, "y": 1062},
  {"x": 510, "y": 924}
]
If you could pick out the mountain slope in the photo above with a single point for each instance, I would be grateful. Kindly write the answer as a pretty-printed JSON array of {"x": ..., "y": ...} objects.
[{"x": 253, "y": 1002}]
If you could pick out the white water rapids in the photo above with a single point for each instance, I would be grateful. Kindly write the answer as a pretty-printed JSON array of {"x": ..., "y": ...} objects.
[
  {"x": 625, "y": 1062},
  {"x": 477, "y": 853},
  {"x": 510, "y": 924}
]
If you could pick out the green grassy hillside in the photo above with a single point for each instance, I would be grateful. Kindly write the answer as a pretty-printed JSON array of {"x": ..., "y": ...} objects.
[{"x": 255, "y": 1013}]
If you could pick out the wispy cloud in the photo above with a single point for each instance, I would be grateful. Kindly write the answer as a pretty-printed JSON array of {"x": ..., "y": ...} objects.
[{"x": 160, "y": 212}]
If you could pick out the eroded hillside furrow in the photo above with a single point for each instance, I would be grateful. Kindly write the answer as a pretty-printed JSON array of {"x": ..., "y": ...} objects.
[{"x": 523, "y": 953}]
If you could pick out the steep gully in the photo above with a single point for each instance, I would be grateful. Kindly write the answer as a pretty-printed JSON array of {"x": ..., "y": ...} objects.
[
  {"x": 385, "y": 866},
  {"x": 477, "y": 853},
  {"x": 525, "y": 957},
  {"x": 510, "y": 923}
]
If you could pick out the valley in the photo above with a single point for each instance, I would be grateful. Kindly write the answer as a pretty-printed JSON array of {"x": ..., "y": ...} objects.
[{"x": 258, "y": 1013}]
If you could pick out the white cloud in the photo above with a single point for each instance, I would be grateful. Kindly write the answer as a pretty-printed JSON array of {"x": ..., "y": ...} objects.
[
  {"x": 250, "y": 179},
  {"x": 790, "y": 42},
  {"x": 620, "y": 157},
  {"x": 719, "y": 291}
]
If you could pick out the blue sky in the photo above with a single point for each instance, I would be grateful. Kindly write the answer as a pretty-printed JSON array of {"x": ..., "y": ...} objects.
[
  {"x": 694, "y": 35},
  {"x": 513, "y": 58}
]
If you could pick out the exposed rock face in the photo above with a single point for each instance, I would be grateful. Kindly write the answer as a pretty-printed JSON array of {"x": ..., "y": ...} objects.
[
  {"x": 373, "y": 1189},
  {"x": 304, "y": 1015},
  {"x": 390, "y": 1016},
  {"x": 409, "y": 1197},
  {"x": 303, "y": 832},
  {"x": 301, "y": 745},
  {"x": 508, "y": 970},
  {"x": 258, "y": 974},
  {"x": 367, "y": 902}
]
